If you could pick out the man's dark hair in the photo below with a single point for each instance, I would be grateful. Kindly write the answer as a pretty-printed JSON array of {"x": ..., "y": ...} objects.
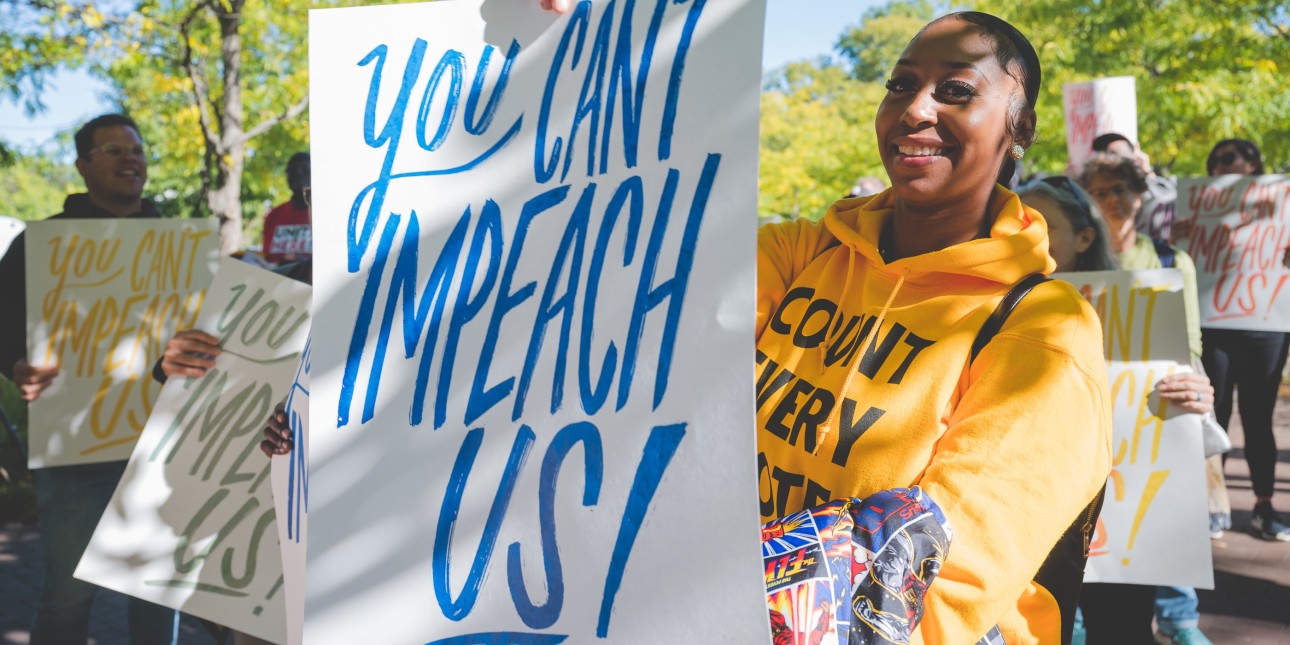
[
  {"x": 85, "y": 136},
  {"x": 1104, "y": 141},
  {"x": 298, "y": 171}
]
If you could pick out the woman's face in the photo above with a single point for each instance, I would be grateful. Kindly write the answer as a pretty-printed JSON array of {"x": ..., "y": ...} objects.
[
  {"x": 942, "y": 126},
  {"x": 1064, "y": 242},
  {"x": 1232, "y": 162},
  {"x": 1118, "y": 201}
]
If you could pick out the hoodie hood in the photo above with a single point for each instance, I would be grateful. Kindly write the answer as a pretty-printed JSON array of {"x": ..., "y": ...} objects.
[
  {"x": 1016, "y": 248},
  {"x": 80, "y": 206}
]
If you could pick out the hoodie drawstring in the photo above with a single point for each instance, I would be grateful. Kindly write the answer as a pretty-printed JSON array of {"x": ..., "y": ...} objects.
[{"x": 869, "y": 339}]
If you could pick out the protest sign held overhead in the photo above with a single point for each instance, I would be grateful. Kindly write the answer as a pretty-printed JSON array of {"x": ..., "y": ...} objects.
[
  {"x": 1096, "y": 108},
  {"x": 530, "y": 409},
  {"x": 192, "y": 524},
  {"x": 103, "y": 297},
  {"x": 1241, "y": 230},
  {"x": 1156, "y": 493}
]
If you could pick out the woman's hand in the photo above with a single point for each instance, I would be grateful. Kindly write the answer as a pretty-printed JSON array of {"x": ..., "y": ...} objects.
[
  {"x": 189, "y": 353},
  {"x": 1189, "y": 391},
  {"x": 277, "y": 433},
  {"x": 558, "y": 6}
]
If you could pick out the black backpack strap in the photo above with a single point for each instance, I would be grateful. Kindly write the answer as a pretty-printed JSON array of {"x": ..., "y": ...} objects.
[
  {"x": 1165, "y": 252},
  {"x": 1062, "y": 572},
  {"x": 1001, "y": 312}
]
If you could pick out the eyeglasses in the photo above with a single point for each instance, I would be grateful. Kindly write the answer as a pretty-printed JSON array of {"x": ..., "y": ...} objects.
[
  {"x": 1227, "y": 158},
  {"x": 116, "y": 150},
  {"x": 1062, "y": 182},
  {"x": 1114, "y": 191}
]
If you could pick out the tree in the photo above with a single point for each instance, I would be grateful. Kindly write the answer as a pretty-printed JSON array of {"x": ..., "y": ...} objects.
[
  {"x": 34, "y": 187},
  {"x": 217, "y": 83},
  {"x": 32, "y": 48},
  {"x": 816, "y": 137},
  {"x": 218, "y": 88},
  {"x": 1204, "y": 71},
  {"x": 873, "y": 47}
]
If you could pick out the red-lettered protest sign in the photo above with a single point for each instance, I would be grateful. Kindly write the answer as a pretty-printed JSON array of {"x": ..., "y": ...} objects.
[
  {"x": 1095, "y": 108},
  {"x": 1240, "y": 235}
]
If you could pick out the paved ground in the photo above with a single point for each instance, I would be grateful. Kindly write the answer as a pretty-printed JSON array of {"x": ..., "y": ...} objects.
[
  {"x": 1250, "y": 604},
  {"x": 1251, "y": 599}
]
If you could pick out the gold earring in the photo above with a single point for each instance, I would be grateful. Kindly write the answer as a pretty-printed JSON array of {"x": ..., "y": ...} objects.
[{"x": 1016, "y": 152}]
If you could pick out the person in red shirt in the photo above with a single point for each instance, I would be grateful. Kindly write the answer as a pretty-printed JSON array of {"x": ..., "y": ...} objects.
[{"x": 288, "y": 236}]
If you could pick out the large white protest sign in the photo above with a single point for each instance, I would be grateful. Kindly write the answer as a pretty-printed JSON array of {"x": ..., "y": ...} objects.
[
  {"x": 290, "y": 479},
  {"x": 192, "y": 523},
  {"x": 1240, "y": 232},
  {"x": 1095, "y": 108},
  {"x": 1154, "y": 525},
  {"x": 532, "y": 410},
  {"x": 103, "y": 296}
]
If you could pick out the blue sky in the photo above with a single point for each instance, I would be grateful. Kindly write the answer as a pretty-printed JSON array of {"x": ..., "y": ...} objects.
[{"x": 796, "y": 29}]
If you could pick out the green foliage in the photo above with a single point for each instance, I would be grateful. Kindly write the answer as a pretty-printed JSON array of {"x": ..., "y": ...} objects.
[
  {"x": 816, "y": 137},
  {"x": 144, "y": 47},
  {"x": 34, "y": 187},
  {"x": 17, "y": 495},
  {"x": 873, "y": 47},
  {"x": 1204, "y": 71},
  {"x": 33, "y": 46}
]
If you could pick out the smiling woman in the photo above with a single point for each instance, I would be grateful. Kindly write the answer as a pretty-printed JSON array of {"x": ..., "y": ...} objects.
[{"x": 1012, "y": 443}]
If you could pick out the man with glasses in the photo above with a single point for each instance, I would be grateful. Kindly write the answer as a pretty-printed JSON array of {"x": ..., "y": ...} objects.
[{"x": 71, "y": 499}]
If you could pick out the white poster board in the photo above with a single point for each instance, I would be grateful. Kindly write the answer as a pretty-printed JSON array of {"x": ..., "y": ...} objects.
[
  {"x": 192, "y": 523},
  {"x": 1241, "y": 230},
  {"x": 290, "y": 479},
  {"x": 1154, "y": 527},
  {"x": 532, "y": 406},
  {"x": 1095, "y": 108},
  {"x": 103, "y": 297}
]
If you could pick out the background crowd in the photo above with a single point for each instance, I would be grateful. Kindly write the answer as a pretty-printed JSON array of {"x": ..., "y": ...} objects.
[{"x": 1110, "y": 213}]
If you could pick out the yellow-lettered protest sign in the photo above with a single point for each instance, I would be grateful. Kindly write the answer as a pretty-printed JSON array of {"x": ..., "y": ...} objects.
[
  {"x": 1153, "y": 527},
  {"x": 103, "y": 296}
]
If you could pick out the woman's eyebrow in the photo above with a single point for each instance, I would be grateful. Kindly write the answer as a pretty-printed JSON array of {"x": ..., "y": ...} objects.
[{"x": 952, "y": 64}]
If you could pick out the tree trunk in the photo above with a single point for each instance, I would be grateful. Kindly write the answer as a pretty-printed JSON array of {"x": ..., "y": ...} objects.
[{"x": 225, "y": 197}]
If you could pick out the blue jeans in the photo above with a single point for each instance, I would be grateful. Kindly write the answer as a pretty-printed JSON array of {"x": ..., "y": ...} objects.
[
  {"x": 1176, "y": 608},
  {"x": 71, "y": 499}
]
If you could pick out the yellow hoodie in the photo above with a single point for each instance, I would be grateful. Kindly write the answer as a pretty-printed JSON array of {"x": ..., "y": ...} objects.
[{"x": 1012, "y": 445}]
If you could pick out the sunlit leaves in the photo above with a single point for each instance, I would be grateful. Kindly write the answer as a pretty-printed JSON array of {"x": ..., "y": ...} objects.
[{"x": 1204, "y": 70}]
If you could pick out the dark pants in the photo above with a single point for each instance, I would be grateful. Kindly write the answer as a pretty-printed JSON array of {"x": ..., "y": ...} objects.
[
  {"x": 1116, "y": 614},
  {"x": 71, "y": 499},
  {"x": 1249, "y": 361}
]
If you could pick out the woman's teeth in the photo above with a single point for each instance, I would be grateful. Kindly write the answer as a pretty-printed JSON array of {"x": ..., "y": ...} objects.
[{"x": 911, "y": 151}]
